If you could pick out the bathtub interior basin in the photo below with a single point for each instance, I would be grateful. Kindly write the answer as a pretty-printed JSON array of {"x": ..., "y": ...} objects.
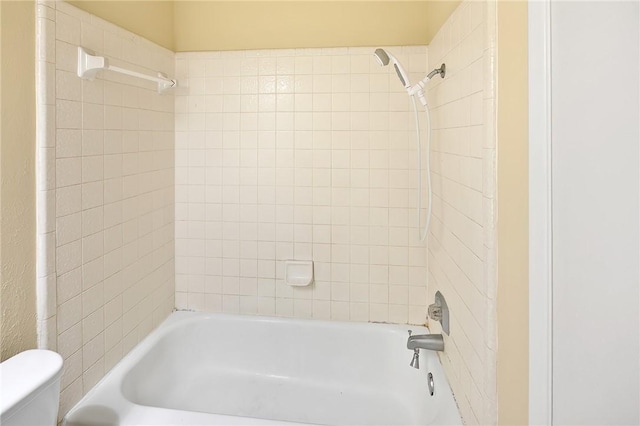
[{"x": 224, "y": 369}]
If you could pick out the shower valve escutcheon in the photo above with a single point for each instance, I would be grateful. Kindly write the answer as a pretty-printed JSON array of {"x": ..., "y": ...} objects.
[{"x": 439, "y": 311}]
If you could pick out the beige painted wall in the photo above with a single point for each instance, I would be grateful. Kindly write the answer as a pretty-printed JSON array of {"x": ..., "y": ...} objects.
[
  {"x": 513, "y": 220},
  {"x": 185, "y": 25},
  {"x": 152, "y": 20},
  {"x": 239, "y": 25},
  {"x": 17, "y": 147}
]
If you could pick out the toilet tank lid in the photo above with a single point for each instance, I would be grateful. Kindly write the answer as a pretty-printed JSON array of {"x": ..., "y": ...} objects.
[{"x": 25, "y": 373}]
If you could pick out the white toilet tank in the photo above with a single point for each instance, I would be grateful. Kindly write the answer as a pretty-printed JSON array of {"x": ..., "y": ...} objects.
[{"x": 30, "y": 388}]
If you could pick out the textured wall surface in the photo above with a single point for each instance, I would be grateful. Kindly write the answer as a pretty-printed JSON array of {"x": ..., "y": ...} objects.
[
  {"x": 462, "y": 244},
  {"x": 298, "y": 154},
  {"x": 17, "y": 169},
  {"x": 105, "y": 193}
]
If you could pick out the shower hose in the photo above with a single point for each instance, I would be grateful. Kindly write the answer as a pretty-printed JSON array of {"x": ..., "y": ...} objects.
[{"x": 422, "y": 232}]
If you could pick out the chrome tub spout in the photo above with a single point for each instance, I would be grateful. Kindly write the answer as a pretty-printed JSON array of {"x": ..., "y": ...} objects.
[{"x": 431, "y": 342}]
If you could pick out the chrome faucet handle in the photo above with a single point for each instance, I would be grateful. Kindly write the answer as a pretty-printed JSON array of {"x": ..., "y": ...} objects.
[{"x": 435, "y": 312}]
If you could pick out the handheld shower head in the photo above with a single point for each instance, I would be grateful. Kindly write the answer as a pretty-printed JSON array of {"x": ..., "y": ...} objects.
[{"x": 384, "y": 58}]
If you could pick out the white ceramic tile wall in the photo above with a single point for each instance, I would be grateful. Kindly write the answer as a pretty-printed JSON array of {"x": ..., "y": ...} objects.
[
  {"x": 105, "y": 196},
  {"x": 305, "y": 154},
  {"x": 279, "y": 154},
  {"x": 461, "y": 255}
]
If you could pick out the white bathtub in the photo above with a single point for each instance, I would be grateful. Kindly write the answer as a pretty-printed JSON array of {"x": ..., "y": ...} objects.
[{"x": 214, "y": 369}]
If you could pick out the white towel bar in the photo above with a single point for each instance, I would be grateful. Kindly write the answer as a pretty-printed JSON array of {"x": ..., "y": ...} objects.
[{"x": 89, "y": 65}]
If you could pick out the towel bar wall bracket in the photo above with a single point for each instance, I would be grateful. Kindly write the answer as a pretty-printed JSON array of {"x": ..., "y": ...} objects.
[{"x": 89, "y": 65}]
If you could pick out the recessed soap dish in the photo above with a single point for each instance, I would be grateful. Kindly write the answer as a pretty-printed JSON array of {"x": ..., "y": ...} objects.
[{"x": 298, "y": 273}]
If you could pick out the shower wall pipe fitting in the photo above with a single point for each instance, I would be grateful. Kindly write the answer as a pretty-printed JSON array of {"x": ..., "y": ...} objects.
[{"x": 418, "y": 88}]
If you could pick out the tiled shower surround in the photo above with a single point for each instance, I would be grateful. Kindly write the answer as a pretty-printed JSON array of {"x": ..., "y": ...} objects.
[
  {"x": 279, "y": 154},
  {"x": 105, "y": 196},
  {"x": 302, "y": 154},
  {"x": 461, "y": 249}
]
